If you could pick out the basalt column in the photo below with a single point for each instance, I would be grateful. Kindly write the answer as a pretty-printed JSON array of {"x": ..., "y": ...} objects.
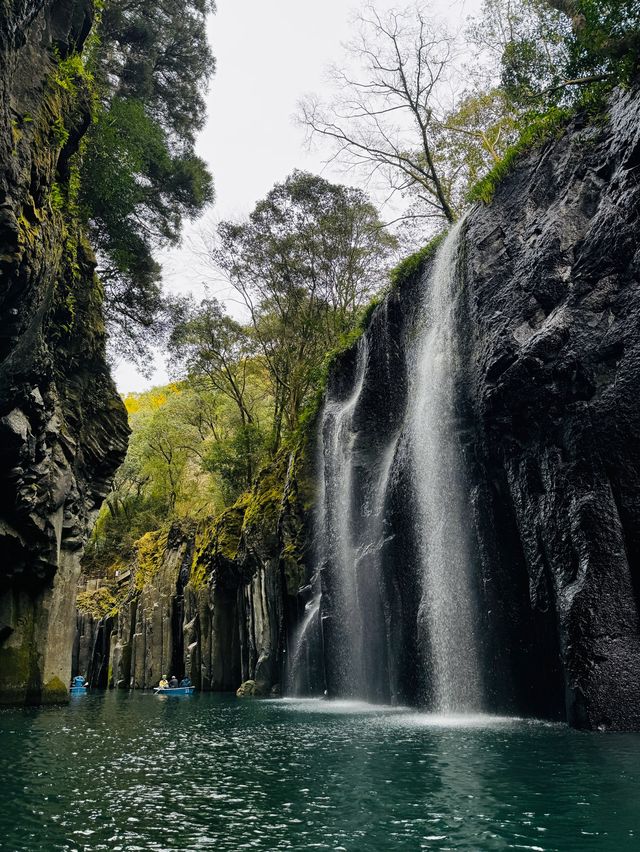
[{"x": 62, "y": 425}]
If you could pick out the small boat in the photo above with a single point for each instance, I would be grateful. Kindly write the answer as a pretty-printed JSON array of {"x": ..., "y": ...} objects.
[
  {"x": 78, "y": 690},
  {"x": 176, "y": 690}
]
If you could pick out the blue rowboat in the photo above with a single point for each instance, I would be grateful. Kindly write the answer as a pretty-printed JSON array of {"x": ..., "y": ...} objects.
[
  {"x": 78, "y": 690},
  {"x": 177, "y": 690}
]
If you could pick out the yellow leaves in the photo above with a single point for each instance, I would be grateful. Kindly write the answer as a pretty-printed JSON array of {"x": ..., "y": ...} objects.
[
  {"x": 151, "y": 400},
  {"x": 132, "y": 403}
]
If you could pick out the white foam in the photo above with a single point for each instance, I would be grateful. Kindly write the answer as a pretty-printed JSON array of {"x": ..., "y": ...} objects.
[{"x": 338, "y": 706}]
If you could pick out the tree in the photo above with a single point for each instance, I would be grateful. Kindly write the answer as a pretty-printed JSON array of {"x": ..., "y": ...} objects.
[
  {"x": 158, "y": 54},
  {"x": 209, "y": 348},
  {"x": 387, "y": 117},
  {"x": 548, "y": 51},
  {"x": 139, "y": 176},
  {"x": 308, "y": 257},
  {"x": 605, "y": 38}
]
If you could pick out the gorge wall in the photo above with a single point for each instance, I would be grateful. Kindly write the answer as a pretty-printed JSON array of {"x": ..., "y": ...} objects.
[
  {"x": 63, "y": 428},
  {"x": 503, "y": 575},
  {"x": 214, "y": 600}
]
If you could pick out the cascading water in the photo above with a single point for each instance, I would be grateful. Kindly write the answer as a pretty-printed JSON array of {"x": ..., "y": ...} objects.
[
  {"x": 303, "y": 645},
  {"x": 349, "y": 536},
  {"x": 448, "y": 614},
  {"x": 335, "y": 528},
  {"x": 392, "y": 522}
]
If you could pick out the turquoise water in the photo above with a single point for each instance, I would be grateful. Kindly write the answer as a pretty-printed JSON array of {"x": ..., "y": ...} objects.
[{"x": 138, "y": 772}]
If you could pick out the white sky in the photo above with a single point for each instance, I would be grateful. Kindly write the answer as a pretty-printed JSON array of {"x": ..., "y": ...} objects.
[{"x": 269, "y": 54}]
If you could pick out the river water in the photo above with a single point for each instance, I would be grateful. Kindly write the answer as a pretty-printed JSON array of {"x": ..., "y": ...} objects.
[{"x": 136, "y": 772}]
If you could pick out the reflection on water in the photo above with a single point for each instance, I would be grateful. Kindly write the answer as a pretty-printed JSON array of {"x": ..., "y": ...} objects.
[{"x": 134, "y": 772}]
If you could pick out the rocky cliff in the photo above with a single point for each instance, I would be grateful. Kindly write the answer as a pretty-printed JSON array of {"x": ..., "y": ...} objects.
[
  {"x": 546, "y": 378},
  {"x": 552, "y": 301},
  {"x": 213, "y": 600},
  {"x": 63, "y": 428}
]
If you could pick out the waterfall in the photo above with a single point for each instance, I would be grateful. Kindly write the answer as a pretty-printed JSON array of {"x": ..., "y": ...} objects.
[
  {"x": 348, "y": 587},
  {"x": 304, "y": 643},
  {"x": 363, "y": 590},
  {"x": 336, "y": 527},
  {"x": 448, "y": 614}
]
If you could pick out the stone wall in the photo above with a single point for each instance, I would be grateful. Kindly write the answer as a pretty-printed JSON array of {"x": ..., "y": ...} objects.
[{"x": 63, "y": 428}]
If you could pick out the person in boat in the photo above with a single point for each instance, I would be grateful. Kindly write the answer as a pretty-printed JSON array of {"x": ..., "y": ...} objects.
[
  {"x": 164, "y": 683},
  {"x": 186, "y": 681},
  {"x": 79, "y": 680},
  {"x": 173, "y": 683}
]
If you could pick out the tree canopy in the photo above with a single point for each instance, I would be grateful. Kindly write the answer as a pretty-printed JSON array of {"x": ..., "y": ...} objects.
[
  {"x": 309, "y": 256},
  {"x": 432, "y": 113},
  {"x": 139, "y": 175}
]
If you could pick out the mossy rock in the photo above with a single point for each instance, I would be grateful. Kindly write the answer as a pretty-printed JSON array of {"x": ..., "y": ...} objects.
[
  {"x": 100, "y": 603},
  {"x": 54, "y": 692},
  {"x": 414, "y": 265},
  {"x": 265, "y": 503},
  {"x": 252, "y": 689},
  {"x": 217, "y": 544},
  {"x": 150, "y": 551}
]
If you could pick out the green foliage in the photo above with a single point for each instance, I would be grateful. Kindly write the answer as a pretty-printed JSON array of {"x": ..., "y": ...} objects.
[
  {"x": 150, "y": 550},
  {"x": 555, "y": 57},
  {"x": 605, "y": 39},
  {"x": 541, "y": 129},
  {"x": 56, "y": 197},
  {"x": 308, "y": 258},
  {"x": 197, "y": 445},
  {"x": 413, "y": 265},
  {"x": 550, "y": 50},
  {"x": 161, "y": 58},
  {"x": 138, "y": 175},
  {"x": 228, "y": 459},
  {"x": 101, "y": 602},
  {"x": 320, "y": 373},
  {"x": 217, "y": 542},
  {"x": 134, "y": 196},
  {"x": 70, "y": 71},
  {"x": 186, "y": 459}
]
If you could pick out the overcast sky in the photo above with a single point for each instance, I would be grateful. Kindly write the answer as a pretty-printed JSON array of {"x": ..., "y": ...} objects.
[{"x": 269, "y": 54}]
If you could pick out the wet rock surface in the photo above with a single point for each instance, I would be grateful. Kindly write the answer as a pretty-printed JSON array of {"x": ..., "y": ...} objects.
[
  {"x": 547, "y": 381},
  {"x": 551, "y": 278},
  {"x": 63, "y": 428}
]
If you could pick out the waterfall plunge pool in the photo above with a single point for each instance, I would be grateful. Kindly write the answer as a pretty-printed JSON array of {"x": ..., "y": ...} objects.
[{"x": 122, "y": 771}]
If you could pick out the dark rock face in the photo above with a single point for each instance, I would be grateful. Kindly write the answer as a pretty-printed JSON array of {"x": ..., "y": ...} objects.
[
  {"x": 552, "y": 283},
  {"x": 548, "y": 419},
  {"x": 63, "y": 427}
]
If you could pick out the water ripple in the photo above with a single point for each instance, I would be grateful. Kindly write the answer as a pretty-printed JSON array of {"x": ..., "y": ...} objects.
[{"x": 129, "y": 772}]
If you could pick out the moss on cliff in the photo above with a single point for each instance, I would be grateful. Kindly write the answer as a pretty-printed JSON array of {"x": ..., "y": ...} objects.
[
  {"x": 217, "y": 543},
  {"x": 412, "y": 266},
  {"x": 150, "y": 551},
  {"x": 265, "y": 524},
  {"x": 102, "y": 602},
  {"x": 53, "y": 370},
  {"x": 540, "y": 130},
  {"x": 19, "y": 659}
]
